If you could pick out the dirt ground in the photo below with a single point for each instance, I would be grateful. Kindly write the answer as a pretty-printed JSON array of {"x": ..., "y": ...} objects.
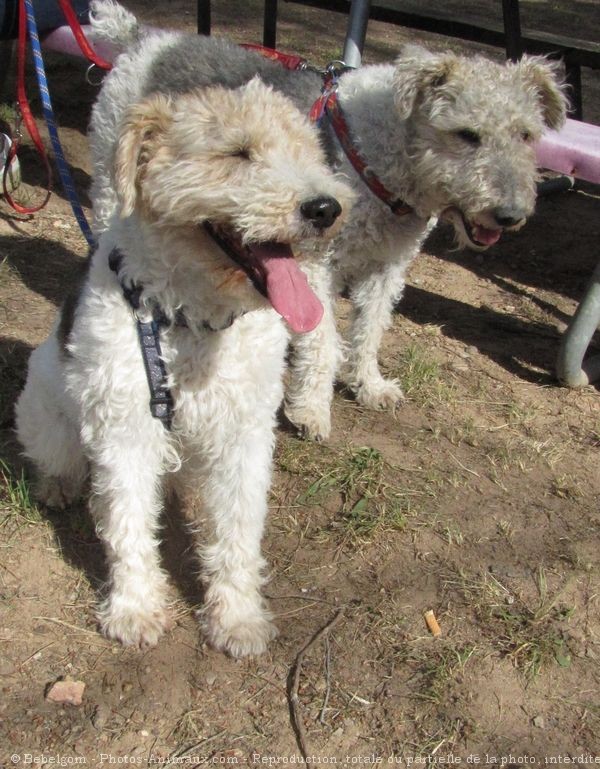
[{"x": 478, "y": 499}]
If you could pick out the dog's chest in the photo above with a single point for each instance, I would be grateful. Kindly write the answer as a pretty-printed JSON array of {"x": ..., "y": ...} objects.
[{"x": 227, "y": 376}]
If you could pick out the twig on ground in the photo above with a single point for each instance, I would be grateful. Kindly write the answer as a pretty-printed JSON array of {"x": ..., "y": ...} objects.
[
  {"x": 294, "y": 683},
  {"x": 327, "y": 679},
  {"x": 68, "y": 624},
  {"x": 184, "y": 752}
]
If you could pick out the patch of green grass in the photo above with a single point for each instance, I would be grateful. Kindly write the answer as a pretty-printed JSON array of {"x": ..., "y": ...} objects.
[
  {"x": 371, "y": 500},
  {"x": 509, "y": 456},
  {"x": 440, "y": 669},
  {"x": 16, "y": 498},
  {"x": 452, "y": 534},
  {"x": 566, "y": 487},
  {"x": 421, "y": 378},
  {"x": 531, "y": 635},
  {"x": 368, "y": 499}
]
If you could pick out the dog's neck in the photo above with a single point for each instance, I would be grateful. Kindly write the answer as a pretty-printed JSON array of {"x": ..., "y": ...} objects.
[
  {"x": 181, "y": 271},
  {"x": 367, "y": 97}
]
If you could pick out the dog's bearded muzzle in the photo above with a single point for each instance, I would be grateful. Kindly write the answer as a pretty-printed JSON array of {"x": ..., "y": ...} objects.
[{"x": 481, "y": 231}]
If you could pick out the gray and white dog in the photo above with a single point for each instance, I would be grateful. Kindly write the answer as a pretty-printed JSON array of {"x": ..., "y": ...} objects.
[{"x": 450, "y": 136}]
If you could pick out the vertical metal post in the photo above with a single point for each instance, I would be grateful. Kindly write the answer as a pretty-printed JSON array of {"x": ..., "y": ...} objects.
[
  {"x": 270, "y": 24},
  {"x": 512, "y": 29},
  {"x": 357, "y": 30},
  {"x": 572, "y": 370},
  {"x": 203, "y": 16}
]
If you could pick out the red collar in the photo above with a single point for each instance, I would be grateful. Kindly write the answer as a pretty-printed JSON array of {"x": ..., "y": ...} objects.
[{"x": 328, "y": 104}]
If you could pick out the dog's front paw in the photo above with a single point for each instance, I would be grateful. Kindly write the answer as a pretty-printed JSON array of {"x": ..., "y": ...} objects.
[
  {"x": 57, "y": 493},
  {"x": 312, "y": 423},
  {"x": 382, "y": 394},
  {"x": 245, "y": 638},
  {"x": 134, "y": 626}
]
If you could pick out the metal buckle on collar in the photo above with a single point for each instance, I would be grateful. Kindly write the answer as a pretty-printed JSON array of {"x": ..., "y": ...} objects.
[{"x": 336, "y": 68}]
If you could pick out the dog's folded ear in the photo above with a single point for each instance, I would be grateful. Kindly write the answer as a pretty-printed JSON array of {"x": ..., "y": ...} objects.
[
  {"x": 144, "y": 128},
  {"x": 416, "y": 70},
  {"x": 543, "y": 77}
]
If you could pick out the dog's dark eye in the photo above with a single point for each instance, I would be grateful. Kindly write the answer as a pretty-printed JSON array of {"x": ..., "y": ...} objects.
[
  {"x": 241, "y": 152},
  {"x": 526, "y": 136},
  {"x": 471, "y": 137}
]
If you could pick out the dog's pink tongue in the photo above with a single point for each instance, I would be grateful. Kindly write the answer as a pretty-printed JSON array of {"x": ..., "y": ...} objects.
[
  {"x": 287, "y": 287},
  {"x": 485, "y": 236}
]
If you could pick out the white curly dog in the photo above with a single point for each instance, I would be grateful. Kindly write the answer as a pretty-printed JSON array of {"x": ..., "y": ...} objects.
[
  {"x": 183, "y": 305},
  {"x": 445, "y": 135}
]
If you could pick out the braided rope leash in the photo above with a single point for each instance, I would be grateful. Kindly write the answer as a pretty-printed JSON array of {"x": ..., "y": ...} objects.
[
  {"x": 27, "y": 24},
  {"x": 63, "y": 168}
]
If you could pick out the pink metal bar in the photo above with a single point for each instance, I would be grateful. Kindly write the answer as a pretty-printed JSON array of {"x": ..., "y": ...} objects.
[{"x": 574, "y": 150}]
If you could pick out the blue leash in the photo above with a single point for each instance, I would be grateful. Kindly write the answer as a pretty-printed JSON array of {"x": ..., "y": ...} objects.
[{"x": 63, "y": 168}]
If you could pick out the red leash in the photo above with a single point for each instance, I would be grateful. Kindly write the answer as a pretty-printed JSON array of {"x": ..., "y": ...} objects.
[
  {"x": 287, "y": 60},
  {"x": 24, "y": 114},
  {"x": 82, "y": 42},
  {"x": 24, "y": 110}
]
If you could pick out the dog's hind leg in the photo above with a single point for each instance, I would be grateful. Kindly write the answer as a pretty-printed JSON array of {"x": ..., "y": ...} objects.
[
  {"x": 235, "y": 618},
  {"x": 373, "y": 300},
  {"x": 126, "y": 503},
  {"x": 315, "y": 358},
  {"x": 47, "y": 432}
]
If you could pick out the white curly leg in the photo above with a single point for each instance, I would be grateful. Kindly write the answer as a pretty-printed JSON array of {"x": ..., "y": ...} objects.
[
  {"x": 373, "y": 299},
  {"x": 126, "y": 505},
  {"x": 314, "y": 363},
  {"x": 235, "y": 618}
]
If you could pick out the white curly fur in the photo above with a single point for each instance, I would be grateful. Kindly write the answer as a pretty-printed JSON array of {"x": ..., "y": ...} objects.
[{"x": 85, "y": 407}]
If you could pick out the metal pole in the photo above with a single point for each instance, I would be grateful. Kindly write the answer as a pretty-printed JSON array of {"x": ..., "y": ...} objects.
[
  {"x": 357, "y": 30},
  {"x": 203, "y": 17},
  {"x": 270, "y": 24},
  {"x": 512, "y": 29},
  {"x": 570, "y": 367}
]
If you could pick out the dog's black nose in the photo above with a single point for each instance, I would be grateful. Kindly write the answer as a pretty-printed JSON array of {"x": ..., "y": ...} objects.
[
  {"x": 508, "y": 217},
  {"x": 321, "y": 211}
]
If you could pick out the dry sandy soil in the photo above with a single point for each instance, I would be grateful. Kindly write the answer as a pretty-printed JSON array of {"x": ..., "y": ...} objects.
[{"x": 478, "y": 499}]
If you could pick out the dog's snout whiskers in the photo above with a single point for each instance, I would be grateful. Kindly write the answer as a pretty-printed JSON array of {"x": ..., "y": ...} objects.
[{"x": 321, "y": 211}]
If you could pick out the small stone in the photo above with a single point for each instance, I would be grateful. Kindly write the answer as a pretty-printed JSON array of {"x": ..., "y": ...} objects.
[
  {"x": 211, "y": 678},
  {"x": 127, "y": 686},
  {"x": 100, "y": 716},
  {"x": 539, "y": 722},
  {"x": 66, "y": 692}
]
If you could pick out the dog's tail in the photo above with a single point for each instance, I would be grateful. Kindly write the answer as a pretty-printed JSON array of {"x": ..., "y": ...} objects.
[{"x": 114, "y": 24}]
